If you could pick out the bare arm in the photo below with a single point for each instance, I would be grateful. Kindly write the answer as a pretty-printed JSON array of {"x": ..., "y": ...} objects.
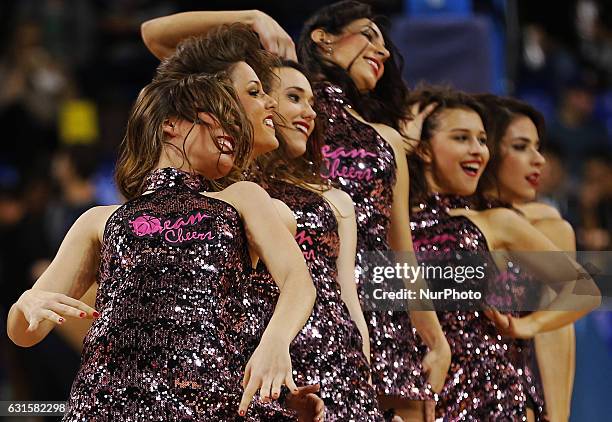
[
  {"x": 69, "y": 276},
  {"x": 555, "y": 350},
  {"x": 270, "y": 367},
  {"x": 520, "y": 238},
  {"x": 347, "y": 231},
  {"x": 426, "y": 323},
  {"x": 275, "y": 245},
  {"x": 161, "y": 35}
]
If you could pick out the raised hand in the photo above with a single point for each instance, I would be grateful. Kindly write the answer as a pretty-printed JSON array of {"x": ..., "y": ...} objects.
[
  {"x": 273, "y": 37},
  {"x": 411, "y": 128}
]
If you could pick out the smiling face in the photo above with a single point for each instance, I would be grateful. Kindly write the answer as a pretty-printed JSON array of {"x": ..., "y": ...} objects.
[
  {"x": 457, "y": 152},
  {"x": 296, "y": 116},
  {"x": 359, "y": 49},
  {"x": 259, "y": 107},
  {"x": 521, "y": 163}
]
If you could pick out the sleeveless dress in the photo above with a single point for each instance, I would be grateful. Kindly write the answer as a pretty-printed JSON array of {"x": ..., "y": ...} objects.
[
  {"x": 483, "y": 383},
  {"x": 516, "y": 291},
  {"x": 328, "y": 350},
  {"x": 170, "y": 343},
  {"x": 362, "y": 164}
]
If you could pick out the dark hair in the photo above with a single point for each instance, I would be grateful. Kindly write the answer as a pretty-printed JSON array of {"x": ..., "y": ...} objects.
[
  {"x": 304, "y": 170},
  {"x": 218, "y": 51},
  {"x": 84, "y": 159},
  {"x": 182, "y": 98},
  {"x": 445, "y": 98},
  {"x": 501, "y": 112},
  {"x": 386, "y": 102}
]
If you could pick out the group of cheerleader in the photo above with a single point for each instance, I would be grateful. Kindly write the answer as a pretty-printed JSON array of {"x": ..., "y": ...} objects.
[{"x": 232, "y": 286}]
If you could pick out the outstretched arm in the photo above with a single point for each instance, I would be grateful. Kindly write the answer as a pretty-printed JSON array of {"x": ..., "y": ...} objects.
[
  {"x": 162, "y": 35},
  {"x": 52, "y": 299}
]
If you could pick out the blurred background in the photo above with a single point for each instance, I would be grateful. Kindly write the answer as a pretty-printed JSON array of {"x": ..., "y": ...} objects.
[{"x": 70, "y": 70}]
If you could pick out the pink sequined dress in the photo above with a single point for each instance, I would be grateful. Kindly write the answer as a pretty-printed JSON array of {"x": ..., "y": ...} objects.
[
  {"x": 170, "y": 344},
  {"x": 363, "y": 165},
  {"x": 328, "y": 350},
  {"x": 484, "y": 383}
]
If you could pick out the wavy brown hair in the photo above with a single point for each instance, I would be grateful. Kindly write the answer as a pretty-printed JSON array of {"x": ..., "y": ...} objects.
[
  {"x": 181, "y": 98},
  {"x": 304, "y": 170},
  {"x": 446, "y": 98},
  {"x": 218, "y": 51}
]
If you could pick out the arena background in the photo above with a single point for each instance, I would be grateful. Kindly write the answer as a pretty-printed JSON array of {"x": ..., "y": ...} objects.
[{"x": 70, "y": 69}]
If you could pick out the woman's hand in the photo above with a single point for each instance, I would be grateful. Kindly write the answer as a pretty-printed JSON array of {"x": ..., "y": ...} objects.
[
  {"x": 435, "y": 364},
  {"x": 510, "y": 326},
  {"x": 267, "y": 370},
  {"x": 40, "y": 305},
  {"x": 309, "y": 406},
  {"x": 411, "y": 128},
  {"x": 272, "y": 36}
]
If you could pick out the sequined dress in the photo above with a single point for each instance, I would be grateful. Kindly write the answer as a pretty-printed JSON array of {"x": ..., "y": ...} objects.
[
  {"x": 170, "y": 344},
  {"x": 483, "y": 382},
  {"x": 328, "y": 350},
  {"x": 363, "y": 165},
  {"x": 516, "y": 291}
]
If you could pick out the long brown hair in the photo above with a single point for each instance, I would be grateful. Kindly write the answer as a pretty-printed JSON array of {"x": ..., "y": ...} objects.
[
  {"x": 181, "y": 98},
  {"x": 304, "y": 170},
  {"x": 445, "y": 98}
]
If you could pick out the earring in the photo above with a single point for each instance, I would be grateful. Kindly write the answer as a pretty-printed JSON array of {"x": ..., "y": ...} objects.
[{"x": 328, "y": 48}]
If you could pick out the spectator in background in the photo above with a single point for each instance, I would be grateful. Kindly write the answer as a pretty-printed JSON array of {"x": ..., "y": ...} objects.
[
  {"x": 73, "y": 169},
  {"x": 44, "y": 372},
  {"x": 574, "y": 130},
  {"x": 556, "y": 187},
  {"x": 595, "y": 203},
  {"x": 32, "y": 84}
]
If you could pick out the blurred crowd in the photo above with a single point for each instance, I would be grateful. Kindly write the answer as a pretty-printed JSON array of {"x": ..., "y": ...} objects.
[{"x": 70, "y": 69}]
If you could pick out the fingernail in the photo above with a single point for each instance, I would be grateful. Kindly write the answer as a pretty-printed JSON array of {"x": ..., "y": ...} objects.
[
  {"x": 82, "y": 314},
  {"x": 96, "y": 314},
  {"x": 241, "y": 413},
  {"x": 60, "y": 320}
]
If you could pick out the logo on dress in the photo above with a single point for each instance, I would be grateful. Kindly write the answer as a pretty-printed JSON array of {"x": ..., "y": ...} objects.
[
  {"x": 303, "y": 240},
  {"x": 334, "y": 168},
  {"x": 175, "y": 230}
]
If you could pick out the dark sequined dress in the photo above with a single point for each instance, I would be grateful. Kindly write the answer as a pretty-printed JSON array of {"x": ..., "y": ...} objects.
[
  {"x": 363, "y": 165},
  {"x": 483, "y": 382},
  {"x": 328, "y": 350},
  {"x": 170, "y": 344},
  {"x": 516, "y": 289}
]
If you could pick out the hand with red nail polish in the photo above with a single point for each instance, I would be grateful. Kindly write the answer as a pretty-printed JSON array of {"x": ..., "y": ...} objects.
[
  {"x": 39, "y": 305},
  {"x": 267, "y": 370}
]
